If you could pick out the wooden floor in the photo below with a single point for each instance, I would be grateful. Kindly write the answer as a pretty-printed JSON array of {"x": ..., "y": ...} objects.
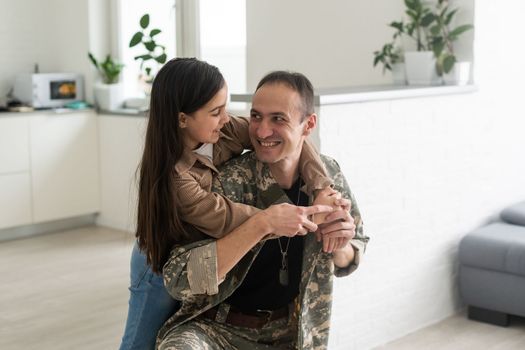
[
  {"x": 65, "y": 291},
  {"x": 458, "y": 333},
  {"x": 69, "y": 291}
]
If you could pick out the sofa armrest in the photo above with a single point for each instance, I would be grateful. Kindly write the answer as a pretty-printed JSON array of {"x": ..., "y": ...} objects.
[{"x": 515, "y": 214}]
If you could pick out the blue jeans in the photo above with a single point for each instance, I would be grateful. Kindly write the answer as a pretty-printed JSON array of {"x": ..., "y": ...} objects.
[{"x": 150, "y": 305}]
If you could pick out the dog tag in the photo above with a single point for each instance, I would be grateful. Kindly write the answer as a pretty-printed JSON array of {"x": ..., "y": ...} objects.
[{"x": 283, "y": 277}]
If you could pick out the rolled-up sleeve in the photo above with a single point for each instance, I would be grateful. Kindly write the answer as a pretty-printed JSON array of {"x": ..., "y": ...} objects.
[
  {"x": 359, "y": 248},
  {"x": 179, "y": 275},
  {"x": 202, "y": 270}
]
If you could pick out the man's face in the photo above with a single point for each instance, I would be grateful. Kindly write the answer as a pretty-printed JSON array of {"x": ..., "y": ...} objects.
[{"x": 278, "y": 126}]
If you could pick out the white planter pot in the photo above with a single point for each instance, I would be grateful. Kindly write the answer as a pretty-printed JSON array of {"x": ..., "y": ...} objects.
[
  {"x": 398, "y": 74},
  {"x": 108, "y": 97},
  {"x": 420, "y": 68},
  {"x": 459, "y": 75}
]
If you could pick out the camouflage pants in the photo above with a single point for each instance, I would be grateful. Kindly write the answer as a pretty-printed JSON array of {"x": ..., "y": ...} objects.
[{"x": 205, "y": 334}]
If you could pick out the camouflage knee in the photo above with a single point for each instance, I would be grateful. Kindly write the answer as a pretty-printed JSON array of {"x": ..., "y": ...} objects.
[{"x": 190, "y": 336}]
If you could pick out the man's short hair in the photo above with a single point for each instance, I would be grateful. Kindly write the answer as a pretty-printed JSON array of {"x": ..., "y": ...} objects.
[{"x": 297, "y": 82}]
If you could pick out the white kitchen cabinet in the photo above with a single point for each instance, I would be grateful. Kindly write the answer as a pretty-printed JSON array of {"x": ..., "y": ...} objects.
[
  {"x": 15, "y": 183},
  {"x": 14, "y": 144},
  {"x": 121, "y": 146},
  {"x": 15, "y": 200},
  {"x": 64, "y": 165}
]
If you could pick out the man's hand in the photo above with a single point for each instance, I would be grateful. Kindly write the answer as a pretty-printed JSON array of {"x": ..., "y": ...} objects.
[{"x": 338, "y": 229}]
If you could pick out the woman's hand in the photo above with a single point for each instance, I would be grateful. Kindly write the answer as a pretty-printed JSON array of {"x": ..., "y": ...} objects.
[{"x": 290, "y": 220}]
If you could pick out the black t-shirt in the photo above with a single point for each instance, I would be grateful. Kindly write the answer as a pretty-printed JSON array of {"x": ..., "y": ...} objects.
[{"x": 261, "y": 289}]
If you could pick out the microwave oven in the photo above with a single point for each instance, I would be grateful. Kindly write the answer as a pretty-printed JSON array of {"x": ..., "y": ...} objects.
[{"x": 49, "y": 90}]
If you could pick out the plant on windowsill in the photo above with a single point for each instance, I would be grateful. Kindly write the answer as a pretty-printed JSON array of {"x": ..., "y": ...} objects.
[
  {"x": 420, "y": 64},
  {"x": 391, "y": 57},
  {"x": 453, "y": 72},
  {"x": 429, "y": 30},
  {"x": 108, "y": 93},
  {"x": 155, "y": 53}
]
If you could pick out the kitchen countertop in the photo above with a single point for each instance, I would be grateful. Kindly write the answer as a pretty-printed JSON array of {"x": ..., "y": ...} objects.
[{"x": 57, "y": 111}]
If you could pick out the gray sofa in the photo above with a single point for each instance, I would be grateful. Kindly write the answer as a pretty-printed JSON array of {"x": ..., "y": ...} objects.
[{"x": 492, "y": 268}]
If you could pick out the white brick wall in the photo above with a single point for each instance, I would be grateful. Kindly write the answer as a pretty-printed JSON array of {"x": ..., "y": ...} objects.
[{"x": 425, "y": 172}]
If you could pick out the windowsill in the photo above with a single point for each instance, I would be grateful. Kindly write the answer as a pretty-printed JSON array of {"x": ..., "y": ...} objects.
[{"x": 357, "y": 94}]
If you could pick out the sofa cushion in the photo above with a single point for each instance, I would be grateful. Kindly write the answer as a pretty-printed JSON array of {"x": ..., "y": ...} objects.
[
  {"x": 515, "y": 214},
  {"x": 498, "y": 247}
]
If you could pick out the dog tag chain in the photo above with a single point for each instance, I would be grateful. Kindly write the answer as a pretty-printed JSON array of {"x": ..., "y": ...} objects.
[{"x": 283, "y": 271}]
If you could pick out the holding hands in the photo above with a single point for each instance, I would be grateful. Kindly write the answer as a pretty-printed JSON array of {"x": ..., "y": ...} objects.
[
  {"x": 336, "y": 228},
  {"x": 287, "y": 220}
]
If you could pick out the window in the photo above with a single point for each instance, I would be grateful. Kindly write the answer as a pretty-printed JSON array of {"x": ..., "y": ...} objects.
[
  {"x": 162, "y": 16},
  {"x": 223, "y": 39},
  {"x": 214, "y": 31}
]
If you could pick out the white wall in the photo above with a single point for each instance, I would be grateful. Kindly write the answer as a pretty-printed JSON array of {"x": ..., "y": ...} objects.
[
  {"x": 56, "y": 34},
  {"x": 425, "y": 172},
  {"x": 331, "y": 41}
]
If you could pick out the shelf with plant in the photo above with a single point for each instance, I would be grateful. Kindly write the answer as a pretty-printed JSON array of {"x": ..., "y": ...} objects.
[
  {"x": 108, "y": 94},
  {"x": 108, "y": 70},
  {"x": 443, "y": 37},
  {"x": 429, "y": 29}
]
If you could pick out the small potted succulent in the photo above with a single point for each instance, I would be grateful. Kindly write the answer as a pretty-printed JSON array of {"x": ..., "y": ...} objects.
[{"x": 108, "y": 93}]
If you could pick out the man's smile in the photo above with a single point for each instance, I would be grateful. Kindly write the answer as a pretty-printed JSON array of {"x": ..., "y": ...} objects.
[{"x": 268, "y": 143}]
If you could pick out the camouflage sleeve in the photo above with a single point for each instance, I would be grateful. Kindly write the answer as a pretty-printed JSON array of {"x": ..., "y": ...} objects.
[
  {"x": 182, "y": 283},
  {"x": 360, "y": 241},
  {"x": 235, "y": 181},
  {"x": 202, "y": 270},
  {"x": 180, "y": 276}
]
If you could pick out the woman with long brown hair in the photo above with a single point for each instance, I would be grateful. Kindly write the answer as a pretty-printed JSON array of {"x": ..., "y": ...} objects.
[{"x": 189, "y": 133}]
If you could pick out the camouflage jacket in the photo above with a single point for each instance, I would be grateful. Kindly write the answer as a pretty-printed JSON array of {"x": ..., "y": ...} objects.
[{"x": 249, "y": 181}]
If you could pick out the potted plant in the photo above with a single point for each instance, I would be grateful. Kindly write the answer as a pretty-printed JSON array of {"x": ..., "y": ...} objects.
[
  {"x": 420, "y": 64},
  {"x": 155, "y": 54},
  {"x": 434, "y": 56},
  {"x": 391, "y": 57},
  {"x": 108, "y": 93},
  {"x": 453, "y": 72}
]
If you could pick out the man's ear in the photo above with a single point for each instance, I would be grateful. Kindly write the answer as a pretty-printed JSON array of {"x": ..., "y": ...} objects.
[
  {"x": 310, "y": 124},
  {"x": 182, "y": 120}
]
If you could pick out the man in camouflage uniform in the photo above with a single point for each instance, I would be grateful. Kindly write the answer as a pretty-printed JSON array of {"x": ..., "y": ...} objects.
[{"x": 282, "y": 116}]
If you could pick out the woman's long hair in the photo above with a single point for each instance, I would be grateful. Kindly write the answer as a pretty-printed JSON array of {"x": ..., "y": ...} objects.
[{"x": 182, "y": 85}]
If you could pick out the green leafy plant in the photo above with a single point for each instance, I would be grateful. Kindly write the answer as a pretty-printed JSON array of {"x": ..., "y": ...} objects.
[
  {"x": 108, "y": 69},
  {"x": 388, "y": 56},
  {"x": 420, "y": 19},
  {"x": 429, "y": 29},
  {"x": 443, "y": 36},
  {"x": 155, "y": 53}
]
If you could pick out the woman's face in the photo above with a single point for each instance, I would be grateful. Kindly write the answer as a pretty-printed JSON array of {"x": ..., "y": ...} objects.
[{"x": 204, "y": 125}]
